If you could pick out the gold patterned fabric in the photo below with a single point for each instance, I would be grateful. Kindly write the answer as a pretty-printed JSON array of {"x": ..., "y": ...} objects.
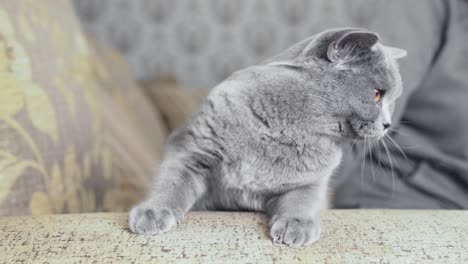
[{"x": 76, "y": 133}]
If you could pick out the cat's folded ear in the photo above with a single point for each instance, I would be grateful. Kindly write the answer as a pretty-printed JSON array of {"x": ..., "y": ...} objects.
[{"x": 352, "y": 46}]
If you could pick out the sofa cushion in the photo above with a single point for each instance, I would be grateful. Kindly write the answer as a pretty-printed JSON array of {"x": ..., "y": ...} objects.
[
  {"x": 76, "y": 133},
  {"x": 175, "y": 104}
]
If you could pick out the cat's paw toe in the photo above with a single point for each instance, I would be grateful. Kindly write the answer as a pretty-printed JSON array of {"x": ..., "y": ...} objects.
[
  {"x": 145, "y": 219},
  {"x": 294, "y": 232}
]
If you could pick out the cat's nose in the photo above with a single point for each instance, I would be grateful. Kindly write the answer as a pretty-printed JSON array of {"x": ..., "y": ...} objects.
[{"x": 386, "y": 125}]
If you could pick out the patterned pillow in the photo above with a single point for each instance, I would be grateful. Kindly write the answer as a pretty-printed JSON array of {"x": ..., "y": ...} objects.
[{"x": 76, "y": 134}]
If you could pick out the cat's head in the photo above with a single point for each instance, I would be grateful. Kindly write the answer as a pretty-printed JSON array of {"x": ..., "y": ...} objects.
[{"x": 358, "y": 74}]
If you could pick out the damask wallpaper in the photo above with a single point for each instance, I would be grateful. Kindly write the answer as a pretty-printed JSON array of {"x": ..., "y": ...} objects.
[{"x": 200, "y": 42}]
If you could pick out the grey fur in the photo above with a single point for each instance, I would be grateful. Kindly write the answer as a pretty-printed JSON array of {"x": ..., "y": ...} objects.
[{"x": 269, "y": 137}]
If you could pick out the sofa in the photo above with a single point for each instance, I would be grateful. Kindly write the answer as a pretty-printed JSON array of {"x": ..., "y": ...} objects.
[{"x": 80, "y": 140}]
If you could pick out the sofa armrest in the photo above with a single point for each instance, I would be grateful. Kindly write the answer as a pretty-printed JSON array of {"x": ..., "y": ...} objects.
[{"x": 349, "y": 236}]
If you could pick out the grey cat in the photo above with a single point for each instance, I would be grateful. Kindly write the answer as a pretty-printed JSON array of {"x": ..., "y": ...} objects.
[{"x": 269, "y": 137}]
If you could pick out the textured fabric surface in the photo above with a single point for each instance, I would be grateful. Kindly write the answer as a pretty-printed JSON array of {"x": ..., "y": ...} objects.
[
  {"x": 76, "y": 133},
  {"x": 350, "y": 236}
]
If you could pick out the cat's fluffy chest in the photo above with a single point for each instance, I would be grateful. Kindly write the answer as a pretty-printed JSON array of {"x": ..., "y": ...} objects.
[
  {"x": 243, "y": 184},
  {"x": 270, "y": 166},
  {"x": 247, "y": 175}
]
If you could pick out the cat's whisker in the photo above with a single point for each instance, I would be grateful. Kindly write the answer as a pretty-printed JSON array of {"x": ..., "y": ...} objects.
[
  {"x": 363, "y": 164},
  {"x": 355, "y": 140},
  {"x": 399, "y": 132},
  {"x": 391, "y": 165},
  {"x": 379, "y": 151},
  {"x": 396, "y": 145},
  {"x": 371, "y": 162},
  {"x": 385, "y": 166},
  {"x": 381, "y": 163},
  {"x": 403, "y": 134}
]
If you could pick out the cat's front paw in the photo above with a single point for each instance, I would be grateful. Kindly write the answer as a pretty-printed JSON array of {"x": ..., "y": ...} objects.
[
  {"x": 146, "y": 219},
  {"x": 294, "y": 232}
]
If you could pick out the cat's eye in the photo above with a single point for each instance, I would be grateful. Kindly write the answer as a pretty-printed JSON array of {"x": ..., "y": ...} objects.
[{"x": 378, "y": 95}]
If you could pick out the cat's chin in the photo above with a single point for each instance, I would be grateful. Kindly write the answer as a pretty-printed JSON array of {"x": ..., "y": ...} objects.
[
  {"x": 365, "y": 135},
  {"x": 363, "y": 131},
  {"x": 354, "y": 135},
  {"x": 370, "y": 137}
]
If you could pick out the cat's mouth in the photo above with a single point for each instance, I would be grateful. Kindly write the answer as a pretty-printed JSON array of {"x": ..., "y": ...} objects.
[
  {"x": 345, "y": 129},
  {"x": 358, "y": 131},
  {"x": 365, "y": 131}
]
